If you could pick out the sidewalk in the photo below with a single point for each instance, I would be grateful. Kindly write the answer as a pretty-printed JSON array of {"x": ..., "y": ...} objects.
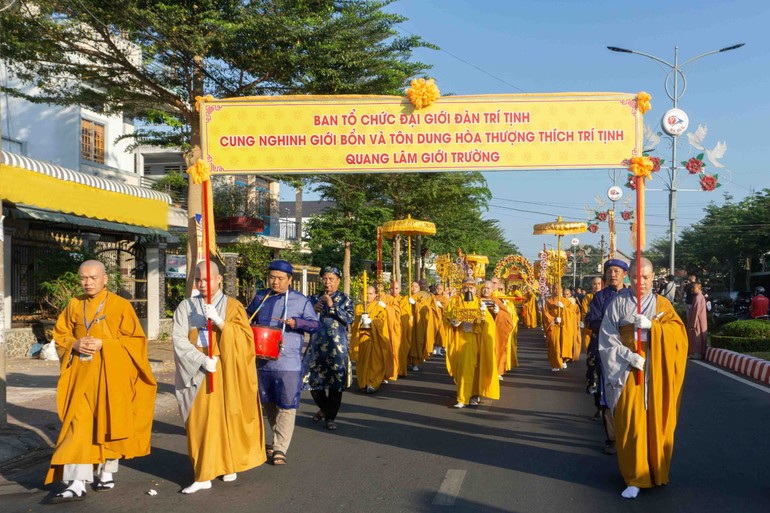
[{"x": 33, "y": 424}]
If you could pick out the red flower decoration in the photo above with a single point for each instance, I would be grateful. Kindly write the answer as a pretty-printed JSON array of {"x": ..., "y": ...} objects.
[
  {"x": 627, "y": 215},
  {"x": 631, "y": 182},
  {"x": 655, "y": 164},
  {"x": 593, "y": 227},
  {"x": 709, "y": 182},
  {"x": 601, "y": 216},
  {"x": 694, "y": 166}
]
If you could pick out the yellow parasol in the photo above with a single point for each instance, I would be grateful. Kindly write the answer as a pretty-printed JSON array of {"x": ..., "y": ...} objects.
[
  {"x": 408, "y": 227},
  {"x": 559, "y": 228}
]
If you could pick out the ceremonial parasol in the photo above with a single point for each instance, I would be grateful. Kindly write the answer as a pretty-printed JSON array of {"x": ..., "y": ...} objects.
[
  {"x": 559, "y": 228},
  {"x": 477, "y": 263},
  {"x": 407, "y": 227}
]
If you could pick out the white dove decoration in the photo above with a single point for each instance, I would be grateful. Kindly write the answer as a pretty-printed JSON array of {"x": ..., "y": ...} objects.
[
  {"x": 696, "y": 139},
  {"x": 652, "y": 139},
  {"x": 717, "y": 153}
]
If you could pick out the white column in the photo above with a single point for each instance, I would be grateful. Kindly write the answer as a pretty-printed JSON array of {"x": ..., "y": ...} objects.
[
  {"x": 6, "y": 269},
  {"x": 304, "y": 280},
  {"x": 153, "y": 291}
]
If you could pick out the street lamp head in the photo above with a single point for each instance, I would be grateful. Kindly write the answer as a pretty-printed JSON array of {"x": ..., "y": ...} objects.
[
  {"x": 617, "y": 49},
  {"x": 734, "y": 47}
]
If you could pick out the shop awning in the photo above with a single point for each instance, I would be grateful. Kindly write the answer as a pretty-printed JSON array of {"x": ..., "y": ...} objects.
[
  {"x": 46, "y": 186},
  {"x": 25, "y": 213}
]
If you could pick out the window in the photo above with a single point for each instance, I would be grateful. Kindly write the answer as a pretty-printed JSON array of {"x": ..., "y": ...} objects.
[{"x": 91, "y": 141}]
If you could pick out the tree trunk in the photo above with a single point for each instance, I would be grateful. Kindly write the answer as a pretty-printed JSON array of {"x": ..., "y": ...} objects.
[
  {"x": 346, "y": 269},
  {"x": 194, "y": 195}
]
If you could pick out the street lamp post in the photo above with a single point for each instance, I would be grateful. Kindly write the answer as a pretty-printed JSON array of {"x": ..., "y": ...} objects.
[{"x": 674, "y": 95}]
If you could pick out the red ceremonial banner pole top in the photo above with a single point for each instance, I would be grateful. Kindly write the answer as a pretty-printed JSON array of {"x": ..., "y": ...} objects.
[
  {"x": 641, "y": 167},
  {"x": 199, "y": 173}
]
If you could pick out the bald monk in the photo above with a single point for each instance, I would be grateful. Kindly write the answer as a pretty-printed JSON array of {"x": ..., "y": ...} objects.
[
  {"x": 106, "y": 391},
  {"x": 644, "y": 387},
  {"x": 225, "y": 431},
  {"x": 370, "y": 335}
]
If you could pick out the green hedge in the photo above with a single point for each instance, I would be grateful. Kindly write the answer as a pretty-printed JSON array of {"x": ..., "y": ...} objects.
[
  {"x": 741, "y": 344},
  {"x": 746, "y": 328}
]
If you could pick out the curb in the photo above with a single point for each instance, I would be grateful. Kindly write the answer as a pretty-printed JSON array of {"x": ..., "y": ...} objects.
[{"x": 750, "y": 366}]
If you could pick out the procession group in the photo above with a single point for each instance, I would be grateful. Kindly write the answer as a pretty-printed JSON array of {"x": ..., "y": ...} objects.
[{"x": 106, "y": 391}]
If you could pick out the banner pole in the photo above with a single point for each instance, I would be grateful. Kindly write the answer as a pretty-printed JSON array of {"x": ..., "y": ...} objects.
[{"x": 207, "y": 254}]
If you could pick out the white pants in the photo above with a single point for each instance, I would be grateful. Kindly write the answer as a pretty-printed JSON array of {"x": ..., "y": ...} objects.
[{"x": 85, "y": 471}]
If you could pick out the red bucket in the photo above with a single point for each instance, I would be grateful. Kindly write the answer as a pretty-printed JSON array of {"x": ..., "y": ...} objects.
[{"x": 267, "y": 342}]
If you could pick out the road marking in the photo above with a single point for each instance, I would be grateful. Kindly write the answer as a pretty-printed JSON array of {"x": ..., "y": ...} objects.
[
  {"x": 733, "y": 376},
  {"x": 450, "y": 488}
]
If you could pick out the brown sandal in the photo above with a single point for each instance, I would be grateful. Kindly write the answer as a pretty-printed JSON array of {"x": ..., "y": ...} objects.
[
  {"x": 318, "y": 416},
  {"x": 279, "y": 458}
]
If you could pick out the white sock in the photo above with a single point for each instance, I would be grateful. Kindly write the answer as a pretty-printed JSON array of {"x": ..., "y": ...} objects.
[
  {"x": 630, "y": 493},
  {"x": 78, "y": 486},
  {"x": 228, "y": 478},
  {"x": 105, "y": 476},
  {"x": 197, "y": 485}
]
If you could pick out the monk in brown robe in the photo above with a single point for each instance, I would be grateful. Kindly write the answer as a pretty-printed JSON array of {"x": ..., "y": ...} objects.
[{"x": 106, "y": 392}]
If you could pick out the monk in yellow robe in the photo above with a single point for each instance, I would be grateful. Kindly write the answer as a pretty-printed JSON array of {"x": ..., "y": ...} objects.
[
  {"x": 370, "y": 335},
  {"x": 393, "y": 310},
  {"x": 529, "y": 310},
  {"x": 596, "y": 286},
  {"x": 644, "y": 387},
  {"x": 557, "y": 333},
  {"x": 442, "y": 324},
  {"x": 572, "y": 311},
  {"x": 503, "y": 327},
  {"x": 471, "y": 357},
  {"x": 106, "y": 392},
  {"x": 424, "y": 327},
  {"x": 225, "y": 431},
  {"x": 407, "y": 325}
]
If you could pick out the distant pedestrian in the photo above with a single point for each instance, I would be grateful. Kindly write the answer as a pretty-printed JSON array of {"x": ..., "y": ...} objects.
[
  {"x": 668, "y": 288},
  {"x": 759, "y": 303},
  {"x": 697, "y": 326}
]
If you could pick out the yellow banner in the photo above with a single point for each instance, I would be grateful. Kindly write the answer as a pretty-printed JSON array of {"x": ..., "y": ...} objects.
[{"x": 341, "y": 134}]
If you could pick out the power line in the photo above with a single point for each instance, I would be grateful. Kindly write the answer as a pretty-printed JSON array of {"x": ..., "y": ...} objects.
[{"x": 468, "y": 63}]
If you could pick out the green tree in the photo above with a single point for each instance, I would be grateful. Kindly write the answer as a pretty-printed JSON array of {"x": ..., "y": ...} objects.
[
  {"x": 727, "y": 243},
  {"x": 150, "y": 60}
]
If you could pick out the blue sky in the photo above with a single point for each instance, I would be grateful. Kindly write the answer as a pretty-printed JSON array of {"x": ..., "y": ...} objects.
[{"x": 514, "y": 46}]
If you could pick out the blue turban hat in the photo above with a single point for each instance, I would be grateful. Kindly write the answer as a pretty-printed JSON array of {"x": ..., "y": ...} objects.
[
  {"x": 614, "y": 262},
  {"x": 281, "y": 265},
  {"x": 330, "y": 269}
]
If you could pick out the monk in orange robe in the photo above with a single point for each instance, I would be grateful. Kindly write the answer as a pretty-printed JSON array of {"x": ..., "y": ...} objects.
[
  {"x": 393, "y": 310},
  {"x": 370, "y": 335},
  {"x": 644, "y": 387},
  {"x": 426, "y": 318},
  {"x": 225, "y": 431},
  {"x": 106, "y": 391}
]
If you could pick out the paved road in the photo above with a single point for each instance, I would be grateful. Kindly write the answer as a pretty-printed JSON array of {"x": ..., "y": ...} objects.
[{"x": 405, "y": 449}]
